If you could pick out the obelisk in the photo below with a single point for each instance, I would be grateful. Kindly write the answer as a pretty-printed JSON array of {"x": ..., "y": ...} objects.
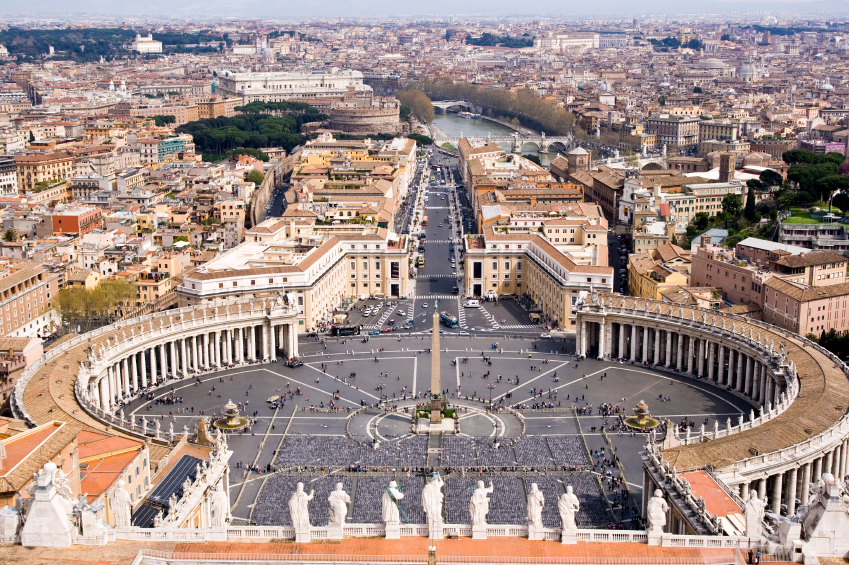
[{"x": 435, "y": 381}]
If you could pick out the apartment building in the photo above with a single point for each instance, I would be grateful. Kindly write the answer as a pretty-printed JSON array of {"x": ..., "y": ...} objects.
[
  {"x": 76, "y": 219},
  {"x": 216, "y": 106},
  {"x": 521, "y": 262},
  {"x": 651, "y": 274},
  {"x": 682, "y": 131},
  {"x": 320, "y": 265},
  {"x": 825, "y": 236},
  {"x": 34, "y": 168},
  {"x": 27, "y": 293},
  {"x": 8, "y": 177},
  {"x": 805, "y": 309}
]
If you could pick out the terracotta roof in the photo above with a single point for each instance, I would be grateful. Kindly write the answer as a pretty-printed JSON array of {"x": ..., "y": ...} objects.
[
  {"x": 803, "y": 293},
  {"x": 812, "y": 259}
]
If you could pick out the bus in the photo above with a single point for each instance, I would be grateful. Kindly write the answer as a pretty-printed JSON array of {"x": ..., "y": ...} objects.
[
  {"x": 420, "y": 263},
  {"x": 340, "y": 330},
  {"x": 448, "y": 320},
  {"x": 424, "y": 221}
]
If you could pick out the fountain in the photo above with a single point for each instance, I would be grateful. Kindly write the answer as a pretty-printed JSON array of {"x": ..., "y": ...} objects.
[
  {"x": 641, "y": 419},
  {"x": 231, "y": 422}
]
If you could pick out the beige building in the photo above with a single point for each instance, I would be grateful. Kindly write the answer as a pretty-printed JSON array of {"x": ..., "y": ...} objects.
[
  {"x": 524, "y": 262},
  {"x": 318, "y": 264}
]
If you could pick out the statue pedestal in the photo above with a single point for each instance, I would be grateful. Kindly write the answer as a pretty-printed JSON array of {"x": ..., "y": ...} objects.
[
  {"x": 655, "y": 538},
  {"x": 569, "y": 537},
  {"x": 335, "y": 533},
  {"x": 478, "y": 532},
  {"x": 535, "y": 533},
  {"x": 393, "y": 531},
  {"x": 302, "y": 536},
  {"x": 425, "y": 426}
]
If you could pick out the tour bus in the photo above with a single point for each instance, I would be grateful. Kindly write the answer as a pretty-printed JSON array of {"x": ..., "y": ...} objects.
[
  {"x": 339, "y": 330},
  {"x": 448, "y": 320},
  {"x": 420, "y": 263},
  {"x": 424, "y": 220}
]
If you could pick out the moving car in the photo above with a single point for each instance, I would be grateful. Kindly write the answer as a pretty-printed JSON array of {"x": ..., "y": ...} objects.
[
  {"x": 424, "y": 304},
  {"x": 545, "y": 336},
  {"x": 374, "y": 332},
  {"x": 464, "y": 332},
  {"x": 385, "y": 330}
]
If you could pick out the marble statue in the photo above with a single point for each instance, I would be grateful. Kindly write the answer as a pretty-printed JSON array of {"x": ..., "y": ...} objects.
[
  {"x": 432, "y": 504},
  {"x": 299, "y": 511},
  {"x": 536, "y": 502},
  {"x": 158, "y": 521},
  {"x": 754, "y": 512},
  {"x": 391, "y": 499},
  {"x": 220, "y": 506},
  {"x": 122, "y": 506},
  {"x": 656, "y": 511},
  {"x": 339, "y": 501},
  {"x": 568, "y": 505},
  {"x": 479, "y": 505}
]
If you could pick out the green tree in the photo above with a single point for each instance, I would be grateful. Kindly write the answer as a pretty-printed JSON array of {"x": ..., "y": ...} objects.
[
  {"x": 162, "y": 120},
  {"x": 31, "y": 136},
  {"x": 842, "y": 202},
  {"x": 771, "y": 178},
  {"x": 255, "y": 177},
  {"x": 10, "y": 235},
  {"x": 750, "y": 199},
  {"x": 421, "y": 139},
  {"x": 652, "y": 167},
  {"x": 731, "y": 205}
]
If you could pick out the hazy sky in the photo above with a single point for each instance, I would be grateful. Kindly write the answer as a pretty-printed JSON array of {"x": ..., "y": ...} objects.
[{"x": 328, "y": 8}]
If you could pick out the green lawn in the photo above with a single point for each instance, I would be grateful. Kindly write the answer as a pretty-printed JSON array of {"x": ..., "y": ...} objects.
[
  {"x": 801, "y": 217},
  {"x": 447, "y": 146}
]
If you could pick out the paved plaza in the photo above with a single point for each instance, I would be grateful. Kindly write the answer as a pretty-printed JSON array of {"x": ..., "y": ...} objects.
[{"x": 344, "y": 417}]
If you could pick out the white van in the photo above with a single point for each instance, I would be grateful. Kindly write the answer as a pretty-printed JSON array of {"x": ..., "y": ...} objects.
[{"x": 472, "y": 304}]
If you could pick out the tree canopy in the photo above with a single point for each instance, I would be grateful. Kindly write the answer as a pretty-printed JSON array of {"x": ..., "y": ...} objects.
[
  {"x": 490, "y": 40},
  {"x": 218, "y": 135},
  {"x": 418, "y": 103},
  {"x": 421, "y": 139},
  {"x": 532, "y": 111}
]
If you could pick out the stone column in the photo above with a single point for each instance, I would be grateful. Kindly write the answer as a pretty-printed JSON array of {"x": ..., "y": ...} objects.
[
  {"x": 776, "y": 493},
  {"x": 656, "y": 344},
  {"x": 114, "y": 380},
  {"x": 770, "y": 386},
  {"x": 153, "y": 380},
  {"x": 680, "y": 358},
  {"x": 110, "y": 388},
  {"x": 583, "y": 345},
  {"x": 184, "y": 356},
  {"x": 240, "y": 345},
  {"x": 732, "y": 358},
  {"x": 252, "y": 343},
  {"x": 143, "y": 358},
  {"x": 104, "y": 395},
  {"x": 806, "y": 481},
  {"x": 272, "y": 343},
  {"x": 744, "y": 491},
  {"x": 720, "y": 365},
  {"x": 134, "y": 359},
  {"x": 645, "y": 344},
  {"x": 835, "y": 464},
  {"x": 633, "y": 342},
  {"x": 748, "y": 372},
  {"x": 843, "y": 452},
  {"x": 164, "y": 353},
  {"x": 125, "y": 374},
  {"x": 710, "y": 363},
  {"x": 700, "y": 360},
  {"x": 205, "y": 346},
  {"x": 817, "y": 469},
  {"x": 217, "y": 348},
  {"x": 293, "y": 339},
  {"x": 195, "y": 364},
  {"x": 227, "y": 342},
  {"x": 621, "y": 345},
  {"x": 668, "y": 348},
  {"x": 602, "y": 338},
  {"x": 791, "y": 491},
  {"x": 174, "y": 359},
  {"x": 690, "y": 354},
  {"x": 741, "y": 361},
  {"x": 827, "y": 462},
  {"x": 757, "y": 386}
]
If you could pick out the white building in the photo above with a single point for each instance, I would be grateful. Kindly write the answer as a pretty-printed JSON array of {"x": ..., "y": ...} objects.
[
  {"x": 568, "y": 42},
  {"x": 146, "y": 44},
  {"x": 281, "y": 86}
]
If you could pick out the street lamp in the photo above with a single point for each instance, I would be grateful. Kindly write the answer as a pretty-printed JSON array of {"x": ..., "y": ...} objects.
[{"x": 491, "y": 386}]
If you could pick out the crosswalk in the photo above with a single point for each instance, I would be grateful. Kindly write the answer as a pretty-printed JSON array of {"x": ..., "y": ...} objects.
[
  {"x": 492, "y": 321},
  {"x": 521, "y": 327},
  {"x": 448, "y": 276},
  {"x": 461, "y": 318},
  {"x": 437, "y": 241},
  {"x": 385, "y": 316},
  {"x": 437, "y": 297}
]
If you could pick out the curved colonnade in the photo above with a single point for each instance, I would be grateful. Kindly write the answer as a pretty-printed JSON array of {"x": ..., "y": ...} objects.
[
  {"x": 801, "y": 389},
  {"x": 91, "y": 375}
]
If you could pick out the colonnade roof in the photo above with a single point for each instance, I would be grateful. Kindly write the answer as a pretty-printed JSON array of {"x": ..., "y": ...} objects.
[{"x": 823, "y": 395}]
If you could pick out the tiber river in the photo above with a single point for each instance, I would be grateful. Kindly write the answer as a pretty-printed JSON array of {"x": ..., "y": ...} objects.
[{"x": 453, "y": 125}]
